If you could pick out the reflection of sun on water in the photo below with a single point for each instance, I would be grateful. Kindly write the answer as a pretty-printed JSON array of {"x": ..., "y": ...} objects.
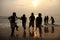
[{"x": 36, "y": 34}]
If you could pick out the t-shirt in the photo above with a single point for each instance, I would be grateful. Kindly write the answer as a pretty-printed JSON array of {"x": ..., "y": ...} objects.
[
  {"x": 32, "y": 18},
  {"x": 12, "y": 19},
  {"x": 39, "y": 20},
  {"x": 23, "y": 19}
]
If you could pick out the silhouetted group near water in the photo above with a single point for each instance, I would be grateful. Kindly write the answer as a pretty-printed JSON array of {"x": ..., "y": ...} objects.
[{"x": 38, "y": 21}]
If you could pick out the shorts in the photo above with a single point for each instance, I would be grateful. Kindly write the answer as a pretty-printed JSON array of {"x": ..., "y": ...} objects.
[
  {"x": 38, "y": 25},
  {"x": 13, "y": 25},
  {"x": 31, "y": 24}
]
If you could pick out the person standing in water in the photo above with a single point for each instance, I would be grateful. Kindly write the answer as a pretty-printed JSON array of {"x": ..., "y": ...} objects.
[
  {"x": 31, "y": 19},
  {"x": 39, "y": 23},
  {"x": 45, "y": 20},
  {"x": 45, "y": 24},
  {"x": 24, "y": 19},
  {"x": 52, "y": 22},
  {"x": 13, "y": 24}
]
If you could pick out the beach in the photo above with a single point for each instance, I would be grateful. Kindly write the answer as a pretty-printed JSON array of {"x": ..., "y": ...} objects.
[
  {"x": 50, "y": 8},
  {"x": 21, "y": 35},
  {"x": 28, "y": 34}
]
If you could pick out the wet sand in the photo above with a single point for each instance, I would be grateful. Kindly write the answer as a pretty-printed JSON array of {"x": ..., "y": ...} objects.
[{"x": 30, "y": 35}]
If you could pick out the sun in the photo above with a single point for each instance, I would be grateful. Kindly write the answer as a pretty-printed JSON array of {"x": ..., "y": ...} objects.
[{"x": 35, "y": 2}]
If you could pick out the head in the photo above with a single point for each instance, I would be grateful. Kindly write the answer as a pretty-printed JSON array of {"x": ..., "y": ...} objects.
[
  {"x": 51, "y": 17},
  {"x": 23, "y": 15},
  {"x": 39, "y": 14},
  {"x": 45, "y": 16},
  {"x": 32, "y": 14},
  {"x": 14, "y": 13}
]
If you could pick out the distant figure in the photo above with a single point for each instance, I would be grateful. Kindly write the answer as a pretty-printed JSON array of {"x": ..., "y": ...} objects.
[
  {"x": 39, "y": 23},
  {"x": 12, "y": 20},
  {"x": 47, "y": 18},
  {"x": 52, "y": 20},
  {"x": 45, "y": 23},
  {"x": 24, "y": 19},
  {"x": 31, "y": 19}
]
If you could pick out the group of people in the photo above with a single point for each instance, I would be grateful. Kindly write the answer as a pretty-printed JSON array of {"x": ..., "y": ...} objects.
[
  {"x": 46, "y": 20},
  {"x": 32, "y": 18}
]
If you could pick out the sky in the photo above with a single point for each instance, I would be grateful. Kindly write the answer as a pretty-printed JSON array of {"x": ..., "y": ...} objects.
[{"x": 46, "y": 7}]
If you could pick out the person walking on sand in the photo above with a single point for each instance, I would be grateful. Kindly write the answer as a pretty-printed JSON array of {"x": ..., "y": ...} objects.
[
  {"x": 24, "y": 19},
  {"x": 31, "y": 19},
  {"x": 39, "y": 23},
  {"x": 13, "y": 24}
]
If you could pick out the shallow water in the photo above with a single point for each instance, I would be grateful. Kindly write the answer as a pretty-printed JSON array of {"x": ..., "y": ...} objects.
[{"x": 29, "y": 34}]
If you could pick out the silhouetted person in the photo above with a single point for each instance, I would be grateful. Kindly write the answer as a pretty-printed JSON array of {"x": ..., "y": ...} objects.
[
  {"x": 52, "y": 22},
  {"x": 47, "y": 19},
  {"x": 39, "y": 23},
  {"x": 23, "y": 18},
  {"x": 45, "y": 23},
  {"x": 13, "y": 24},
  {"x": 31, "y": 19}
]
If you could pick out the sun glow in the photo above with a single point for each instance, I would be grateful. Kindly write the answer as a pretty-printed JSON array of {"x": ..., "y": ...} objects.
[
  {"x": 36, "y": 16},
  {"x": 35, "y": 2}
]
